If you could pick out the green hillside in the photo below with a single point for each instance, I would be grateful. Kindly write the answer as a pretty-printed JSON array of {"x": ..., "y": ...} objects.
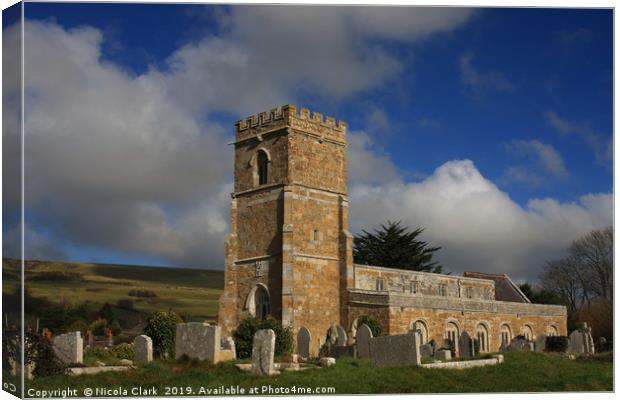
[{"x": 193, "y": 293}]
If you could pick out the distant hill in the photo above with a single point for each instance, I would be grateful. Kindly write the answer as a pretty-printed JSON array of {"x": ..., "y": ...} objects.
[{"x": 193, "y": 293}]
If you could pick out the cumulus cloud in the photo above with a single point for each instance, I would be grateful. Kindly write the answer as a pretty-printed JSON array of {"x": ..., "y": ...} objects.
[
  {"x": 601, "y": 145},
  {"x": 479, "y": 81},
  {"x": 479, "y": 226},
  {"x": 135, "y": 163}
]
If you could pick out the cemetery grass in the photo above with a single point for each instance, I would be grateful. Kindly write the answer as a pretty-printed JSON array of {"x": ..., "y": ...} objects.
[
  {"x": 193, "y": 293},
  {"x": 521, "y": 372}
]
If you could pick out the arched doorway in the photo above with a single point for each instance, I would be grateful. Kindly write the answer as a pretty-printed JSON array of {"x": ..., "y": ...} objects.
[{"x": 257, "y": 303}]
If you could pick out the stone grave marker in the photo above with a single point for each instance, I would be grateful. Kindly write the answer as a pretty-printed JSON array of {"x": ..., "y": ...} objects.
[
  {"x": 303, "y": 342},
  {"x": 341, "y": 339},
  {"x": 396, "y": 350},
  {"x": 362, "y": 341},
  {"x": 198, "y": 340},
  {"x": 69, "y": 348},
  {"x": 443, "y": 355},
  {"x": 143, "y": 349},
  {"x": 263, "y": 348},
  {"x": 426, "y": 350},
  {"x": 541, "y": 342},
  {"x": 466, "y": 349}
]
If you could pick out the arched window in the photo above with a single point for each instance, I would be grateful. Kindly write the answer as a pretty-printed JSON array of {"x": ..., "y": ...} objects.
[
  {"x": 262, "y": 165},
  {"x": 505, "y": 335},
  {"x": 527, "y": 332},
  {"x": 261, "y": 299},
  {"x": 420, "y": 327},
  {"x": 482, "y": 334},
  {"x": 552, "y": 331},
  {"x": 452, "y": 333}
]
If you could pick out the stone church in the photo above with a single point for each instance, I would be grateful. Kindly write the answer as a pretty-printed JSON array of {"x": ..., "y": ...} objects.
[{"x": 289, "y": 253}]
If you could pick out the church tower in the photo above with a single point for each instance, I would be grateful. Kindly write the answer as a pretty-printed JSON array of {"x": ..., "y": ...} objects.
[{"x": 289, "y": 253}]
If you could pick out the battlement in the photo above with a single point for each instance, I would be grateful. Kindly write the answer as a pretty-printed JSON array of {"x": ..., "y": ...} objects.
[{"x": 289, "y": 116}]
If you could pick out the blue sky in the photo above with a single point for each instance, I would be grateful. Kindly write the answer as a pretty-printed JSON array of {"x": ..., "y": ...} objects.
[{"x": 509, "y": 110}]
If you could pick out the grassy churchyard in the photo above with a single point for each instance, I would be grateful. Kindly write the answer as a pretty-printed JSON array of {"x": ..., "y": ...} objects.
[{"x": 521, "y": 372}]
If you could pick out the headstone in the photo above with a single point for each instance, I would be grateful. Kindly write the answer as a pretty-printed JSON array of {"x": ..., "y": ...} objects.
[
  {"x": 397, "y": 350},
  {"x": 263, "y": 348},
  {"x": 109, "y": 338},
  {"x": 332, "y": 335},
  {"x": 443, "y": 355},
  {"x": 434, "y": 345},
  {"x": 541, "y": 342},
  {"x": 518, "y": 343},
  {"x": 466, "y": 349},
  {"x": 69, "y": 348},
  {"x": 576, "y": 342},
  {"x": 303, "y": 342},
  {"x": 198, "y": 340},
  {"x": 341, "y": 340},
  {"x": 294, "y": 358},
  {"x": 362, "y": 341},
  {"x": 228, "y": 344},
  {"x": 426, "y": 350},
  {"x": 143, "y": 349},
  {"x": 342, "y": 351},
  {"x": 327, "y": 361}
]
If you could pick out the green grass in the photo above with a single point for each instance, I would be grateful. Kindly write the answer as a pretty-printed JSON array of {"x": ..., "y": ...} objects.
[
  {"x": 191, "y": 292},
  {"x": 521, "y": 372}
]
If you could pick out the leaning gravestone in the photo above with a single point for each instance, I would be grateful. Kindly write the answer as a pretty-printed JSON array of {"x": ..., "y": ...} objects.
[
  {"x": 541, "y": 342},
  {"x": 397, "y": 350},
  {"x": 69, "y": 348},
  {"x": 142, "y": 349},
  {"x": 443, "y": 355},
  {"x": 263, "y": 348},
  {"x": 466, "y": 349},
  {"x": 341, "y": 339},
  {"x": 303, "y": 342},
  {"x": 362, "y": 341},
  {"x": 518, "y": 343}
]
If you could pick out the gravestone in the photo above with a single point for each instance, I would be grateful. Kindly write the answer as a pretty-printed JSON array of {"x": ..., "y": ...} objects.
[
  {"x": 303, "y": 342},
  {"x": 342, "y": 351},
  {"x": 228, "y": 345},
  {"x": 397, "y": 350},
  {"x": 541, "y": 342},
  {"x": 466, "y": 348},
  {"x": 69, "y": 348},
  {"x": 143, "y": 349},
  {"x": 362, "y": 341},
  {"x": 443, "y": 355},
  {"x": 341, "y": 339},
  {"x": 576, "y": 342},
  {"x": 198, "y": 340},
  {"x": 434, "y": 345},
  {"x": 426, "y": 350},
  {"x": 263, "y": 348},
  {"x": 518, "y": 343}
]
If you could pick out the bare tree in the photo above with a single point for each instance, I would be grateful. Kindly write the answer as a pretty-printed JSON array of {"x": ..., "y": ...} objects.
[{"x": 584, "y": 278}]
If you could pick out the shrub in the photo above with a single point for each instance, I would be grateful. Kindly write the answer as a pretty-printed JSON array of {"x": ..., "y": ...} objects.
[
  {"x": 556, "y": 343},
  {"x": 115, "y": 327},
  {"x": 142, "y": 293},
  {"x": 106, "y": 312},
  {"x": 603, "y": 345},
  {"x": 126, "y": 304},
  {"x": 372, "y": 323},
  {"x": 161, "y": 328},
  {"x": 244, "y": 336},
  {"x": 123, "y": 350},
  {"x": 78, "y": 325},
  {"x": 39, "y": 350},
  {"x": 98, "y": 326}
]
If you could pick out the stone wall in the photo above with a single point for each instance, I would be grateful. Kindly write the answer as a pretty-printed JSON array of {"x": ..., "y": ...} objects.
[
  {"x": 436, "y": 312},
  {"x": 400, "y": 280}
]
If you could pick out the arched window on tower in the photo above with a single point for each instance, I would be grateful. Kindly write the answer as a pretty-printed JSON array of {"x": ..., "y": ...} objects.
[
  {"x": 261, "y": 300},
  {"x": 262, "y": 165}
]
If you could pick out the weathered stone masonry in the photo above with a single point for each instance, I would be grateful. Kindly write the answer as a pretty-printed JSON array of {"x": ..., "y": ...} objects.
[{"x": 290, "y": 252}]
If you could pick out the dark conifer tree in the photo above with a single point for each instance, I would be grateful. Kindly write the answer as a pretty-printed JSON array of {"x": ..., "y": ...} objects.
[{"x": 395, "y": 246}]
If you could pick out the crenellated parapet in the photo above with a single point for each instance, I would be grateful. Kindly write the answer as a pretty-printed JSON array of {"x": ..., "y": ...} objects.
[{"x": 289, "y": 116}]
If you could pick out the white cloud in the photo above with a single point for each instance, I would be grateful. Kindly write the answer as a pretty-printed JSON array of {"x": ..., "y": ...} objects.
[
  {"x": 135, "y": 163},
  {"x": 478, "y": 81},
  {"x": 599, "y": 143},
  {"x": 544, "y": 159},
  {"x": 479, "y": 226}
]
